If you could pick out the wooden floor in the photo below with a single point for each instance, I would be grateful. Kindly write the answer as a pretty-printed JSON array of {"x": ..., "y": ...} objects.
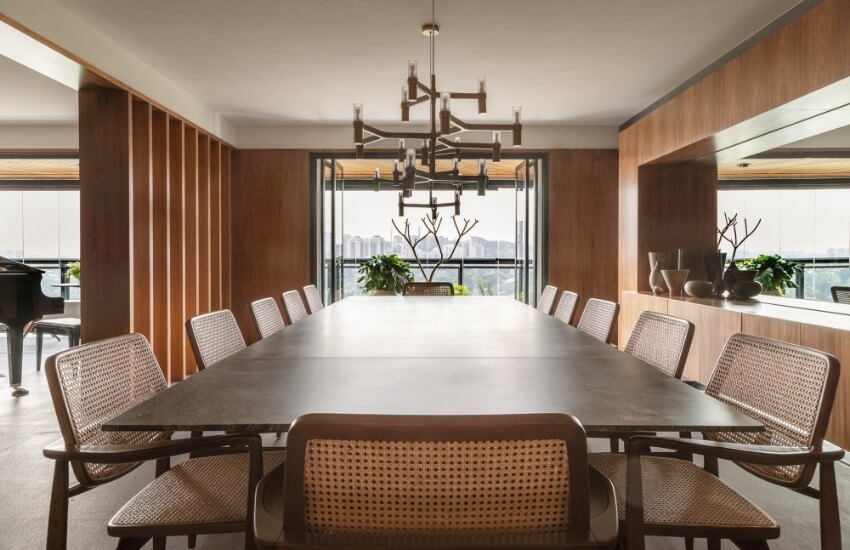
[{"x": 28, "y": 424}]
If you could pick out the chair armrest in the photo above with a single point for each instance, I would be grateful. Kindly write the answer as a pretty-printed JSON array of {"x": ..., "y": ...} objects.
[
  {"x": 117, "y": 454},
  {"x": 755, "y": 454}
]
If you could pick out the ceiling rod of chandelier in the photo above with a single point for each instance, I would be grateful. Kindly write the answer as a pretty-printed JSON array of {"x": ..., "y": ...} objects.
[{"x": 436, "y": 143}]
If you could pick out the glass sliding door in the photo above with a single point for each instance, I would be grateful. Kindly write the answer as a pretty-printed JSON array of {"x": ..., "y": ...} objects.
[{"x": 355, "y": 219}]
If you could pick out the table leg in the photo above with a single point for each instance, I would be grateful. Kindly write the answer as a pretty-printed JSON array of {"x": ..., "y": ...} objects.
[{"x": 39, "y": 341}]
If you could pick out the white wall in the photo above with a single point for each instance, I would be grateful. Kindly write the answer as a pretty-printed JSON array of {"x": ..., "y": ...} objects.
[
  {"x": 340, "y": 137},
  {"x": 36, "y": 136}
]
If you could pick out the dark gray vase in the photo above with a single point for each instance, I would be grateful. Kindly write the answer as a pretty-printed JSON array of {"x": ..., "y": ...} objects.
[{"x": 715, "y": 261}]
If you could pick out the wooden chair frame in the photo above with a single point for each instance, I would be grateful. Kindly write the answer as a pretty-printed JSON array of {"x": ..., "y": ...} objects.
[{"x": 289, "y": 531}]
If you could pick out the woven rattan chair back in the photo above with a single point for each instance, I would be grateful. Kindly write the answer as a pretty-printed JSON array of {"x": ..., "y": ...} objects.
[
  {"x": 91, "y": 384},
  {"x": 267, "y": 317},
  {"x": 788, "y": 388},
  {"x": 428, "y": 289},
  {"x": 598, "y": 319},
  {"x": 840, "y": 294},
  {"x": 370, "y": 475},
  {"x": 294, "y": 306},
  {"x": 661, "y": 341},
  {"x": 214, "y": 336},
  {"x": 314, "y": 298},
  {"x": 547, "y": 299},
  {"x": 567, "y": 305}
]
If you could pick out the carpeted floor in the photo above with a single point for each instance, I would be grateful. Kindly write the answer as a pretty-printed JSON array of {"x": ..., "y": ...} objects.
[{"x": 28, "y": 424}]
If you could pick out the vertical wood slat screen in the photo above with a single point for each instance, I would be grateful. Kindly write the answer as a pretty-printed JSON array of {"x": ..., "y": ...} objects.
[{"x": 175, "y": 191}]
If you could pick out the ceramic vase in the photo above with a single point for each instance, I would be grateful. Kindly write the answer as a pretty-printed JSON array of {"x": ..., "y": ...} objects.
[
  {"x": 715, "y": 261},
  {"x": 675, "y": 279},
  {"x": 658, "y": 261},
  {"x": 699, "y": 289}
]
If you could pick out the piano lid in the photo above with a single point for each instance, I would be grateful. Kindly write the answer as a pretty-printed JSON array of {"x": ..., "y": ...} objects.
[{"x": 11, "y": 267}]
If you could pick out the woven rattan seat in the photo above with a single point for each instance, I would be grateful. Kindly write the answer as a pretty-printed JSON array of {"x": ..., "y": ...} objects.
[
  {"x": 173, "y": 503},
  {"x": 518, "y": 481},
  {"x": 93, "y": 383},
  {"x": 678, "y": 492},
  {"x": 661, "y": 341},
  {"x": 314, "y": 298},
  {"x": 214, "y": 336},
  {"x": 790, "y": 390},
  {"x": 294, "y": 306},
  {"x": 840, "y": 294},
  {"x": 547, "y": 299},
  {"x": 267, "y": 317},
  {"x": 598, "y": 319},
  {"x": 567, "y": 305},
  {"x": 428, "y": 289}
]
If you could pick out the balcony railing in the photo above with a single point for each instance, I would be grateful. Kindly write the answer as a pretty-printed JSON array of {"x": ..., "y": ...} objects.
[
  {"x": 818, "y": 276},
  {"x": 482, "y": 276}
]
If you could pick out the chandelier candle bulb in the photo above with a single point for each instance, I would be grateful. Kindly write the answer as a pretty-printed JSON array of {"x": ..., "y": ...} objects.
[
  {"x": 405, "y": 106},
  {"x": 377, "y": 181},
  {"x": 445, "y": 101},
  {"x": 412, "y": 80},
  {"x": 358, "y": 112}
]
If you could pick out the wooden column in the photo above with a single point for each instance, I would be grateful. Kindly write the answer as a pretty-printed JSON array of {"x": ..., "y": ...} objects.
[
  {"x": 105, "y": 184},
  {"x": 155, "y": 223}
]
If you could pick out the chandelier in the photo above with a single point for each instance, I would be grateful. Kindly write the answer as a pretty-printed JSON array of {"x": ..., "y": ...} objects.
[{"x": 441, "y": 141}]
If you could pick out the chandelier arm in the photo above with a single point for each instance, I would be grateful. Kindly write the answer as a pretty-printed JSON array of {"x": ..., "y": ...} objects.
[
  {"x": 371, "y": 139},
  {"x": 396, "y": 135},
  {"x": 432, "y": 93},
  {"x": 482, "y": 126},
  {"x": 467, "y": 95},
  {"x": 466, "y": 145}
]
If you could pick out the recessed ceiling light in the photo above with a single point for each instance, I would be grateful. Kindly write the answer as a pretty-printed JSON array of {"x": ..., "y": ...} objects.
[{"x": 743, "y": 165}]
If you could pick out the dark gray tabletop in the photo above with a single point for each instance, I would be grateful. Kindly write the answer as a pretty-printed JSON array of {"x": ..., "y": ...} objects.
[{"x": 422, "y": 355}]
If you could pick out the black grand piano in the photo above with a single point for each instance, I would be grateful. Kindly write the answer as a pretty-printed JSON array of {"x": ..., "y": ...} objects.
[{"x": 21, "y": 301}]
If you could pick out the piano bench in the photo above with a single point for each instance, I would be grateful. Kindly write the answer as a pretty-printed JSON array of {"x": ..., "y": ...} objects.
[{"x": 64, "y": 325}]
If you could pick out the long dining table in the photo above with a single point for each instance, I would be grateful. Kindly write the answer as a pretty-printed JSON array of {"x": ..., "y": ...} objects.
[{"x": 431, "y": 356}]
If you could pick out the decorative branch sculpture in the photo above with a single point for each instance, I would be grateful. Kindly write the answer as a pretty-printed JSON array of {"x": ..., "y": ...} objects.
[
  {"x": 721, "y": 233},
  {"x": 432, "y": 227},
  {"x": 735, "y": 241}
]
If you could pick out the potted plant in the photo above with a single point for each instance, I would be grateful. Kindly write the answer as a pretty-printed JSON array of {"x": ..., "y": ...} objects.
[
  {"x": 74, "y": 270},
  {"x": 775, "y": 273},
  {"x": 384, "y": 275},
  {"x": 462, "y": 290}
]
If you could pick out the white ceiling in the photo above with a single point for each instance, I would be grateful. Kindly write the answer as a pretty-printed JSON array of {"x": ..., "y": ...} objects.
[
  {"x": 591, "y": 62},
  {"x": 27, "y": 97}
]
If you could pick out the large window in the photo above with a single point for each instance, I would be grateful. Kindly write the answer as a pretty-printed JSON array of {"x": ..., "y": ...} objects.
[
  {"x": 496, "y": 259},
  {"x": 808, "y": 224},
  {"x": 42, "y": 228}
]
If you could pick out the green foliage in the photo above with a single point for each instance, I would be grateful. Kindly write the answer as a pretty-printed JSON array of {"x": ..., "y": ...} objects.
[
  {"x": 74, "y": 270},
  {"x": 774, "y": 272},
  {"x": 484, "y": 286},
  {"x": 461, "y": 290},
  {"x": 384, "y": 273}
]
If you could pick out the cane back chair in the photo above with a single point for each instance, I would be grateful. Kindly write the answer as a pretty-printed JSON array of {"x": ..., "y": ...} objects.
[
  {"x": 357, "y": 481},
  {"x": 428, "y": 289},
  {"x": 214, "y": 336},
  {"x": 547, "y": 299},
  {"x": 314, "y": 298},
  {"x": 93, "y": 383},
  {"x": 266, "y": 316},
  {"x": 567, "y": 306},
  {"x": 790, "y": 390},
  {"x": 662, "y": 342},
  {"x": 840, "y": 294},
  {"x": 294, "y": 306},
  {"x": 598, "y": 319}
]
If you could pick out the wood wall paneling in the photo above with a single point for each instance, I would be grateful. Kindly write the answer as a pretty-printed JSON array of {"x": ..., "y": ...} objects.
[
  {"x": 777, "y": 329},
  {"x": 176, "y": 252},
  {"x": 215, "y": 226},
  {"x": 270, "y": 209},
  {"x": 190, "y": 166},
  {"x": 204, "y": 294},
  {"x": 582, "y": 204},
  {"x": 743, "y": 101},
  {"x": 226, "y": 249},
  {"x": 690, "y": 312},
  {"x": 837, "y": 343},
  {"x": 105, "y": 174},
  {"x": 715, "y": 326},
  {"x": 140, "y": 267},
  {"x": 160, "y": 221}
]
